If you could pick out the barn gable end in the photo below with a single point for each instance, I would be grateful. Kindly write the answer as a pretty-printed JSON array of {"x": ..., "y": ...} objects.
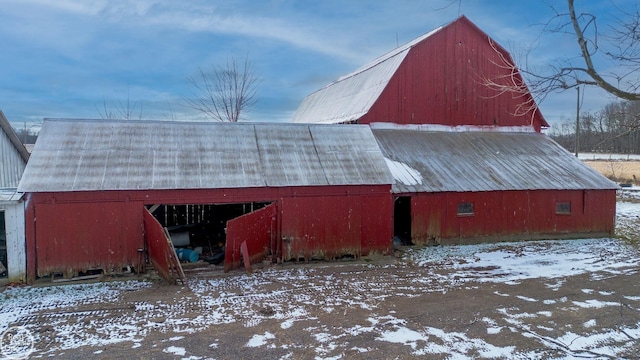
[{"x": 448, "y": 76}]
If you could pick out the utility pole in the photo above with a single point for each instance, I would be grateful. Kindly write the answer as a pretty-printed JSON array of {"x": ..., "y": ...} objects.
[{"x": 578, "y": 121}]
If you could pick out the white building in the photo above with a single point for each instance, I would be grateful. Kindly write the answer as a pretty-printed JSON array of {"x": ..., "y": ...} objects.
[{"x": 13, "y": 159}]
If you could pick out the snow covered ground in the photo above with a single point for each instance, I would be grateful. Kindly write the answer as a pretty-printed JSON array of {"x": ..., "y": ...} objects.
[
  {"x": 608, "y": 156},
  {"x": 338, "y": 311}
]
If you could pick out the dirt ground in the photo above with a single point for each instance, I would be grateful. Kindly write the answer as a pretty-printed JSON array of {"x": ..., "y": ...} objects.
[
  {"x": 528, "y": 319},
  {"x": 570, "y": 299}
]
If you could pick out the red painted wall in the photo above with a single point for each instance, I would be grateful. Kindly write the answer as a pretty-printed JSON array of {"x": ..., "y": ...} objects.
[
  {"x": 80, "y": 230},
  {"x": 329, "y": 227},
  {"x": 511, "y": 215},
  {"x": 443, "y": 80}
]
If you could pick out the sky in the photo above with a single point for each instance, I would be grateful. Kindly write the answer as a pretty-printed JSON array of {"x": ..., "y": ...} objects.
[{"x": 80, "y": 58}]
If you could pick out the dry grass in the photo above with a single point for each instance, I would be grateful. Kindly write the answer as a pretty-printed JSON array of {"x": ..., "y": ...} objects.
[{"x": 618, "y": 170}]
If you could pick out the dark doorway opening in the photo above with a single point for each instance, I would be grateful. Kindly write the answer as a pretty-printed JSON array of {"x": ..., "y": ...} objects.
[
  {"x": 402, "y": 221},
  {"x": 201, "y": 227},
  {"x": 3, "y": 246}
]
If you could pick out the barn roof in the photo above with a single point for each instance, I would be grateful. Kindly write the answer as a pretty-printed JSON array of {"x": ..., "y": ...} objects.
[
  {"x": 352, "y": 96},
  {"x": 84, "y": 155},
  {"x": 460, "y": 161},
  {"x": 13, "y": 155}
]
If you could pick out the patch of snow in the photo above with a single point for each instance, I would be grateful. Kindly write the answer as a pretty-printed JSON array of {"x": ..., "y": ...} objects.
[
  {"x": 260, "y": 340},
  {"x": 607, "y": 156},
  {"x": 175, "y": 350},
  {"x": 594, "y": 304},
  {"x": 402, "y": 335},
  {"x": 589, "y": 324},
  {"x": 403, "y": 173},
  {"x": 448, "y": 128}
]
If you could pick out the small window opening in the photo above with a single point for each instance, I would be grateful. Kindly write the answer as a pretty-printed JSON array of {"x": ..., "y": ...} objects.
[
  {"x": 465, "y": 209},
  {"x": 563, "y": 208}
]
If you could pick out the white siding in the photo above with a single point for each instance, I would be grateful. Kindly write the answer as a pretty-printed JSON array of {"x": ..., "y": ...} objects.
[
  {"x": 11, "y": 163},
  {"x": 14, "y": 224}
]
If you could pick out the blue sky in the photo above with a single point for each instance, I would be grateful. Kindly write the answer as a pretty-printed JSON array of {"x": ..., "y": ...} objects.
[{"x": 67, "y": 58}]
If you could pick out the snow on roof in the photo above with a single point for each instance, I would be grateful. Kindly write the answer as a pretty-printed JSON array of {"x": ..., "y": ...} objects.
[
  {"x": 456, "y": 128},
  {"x": 9, "y": 195},
  {"x": 85, "y": 155},
  {"x": 483, "y": 161},
  {"x": 351, "y": 97}
]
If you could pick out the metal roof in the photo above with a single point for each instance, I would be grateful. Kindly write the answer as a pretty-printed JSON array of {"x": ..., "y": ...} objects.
[
  {"x": 351, "y": 96},
  {"x": 431, "y": 161},
  {"x": 81, "y": 155},
  {"x": 13, "y": 155}
]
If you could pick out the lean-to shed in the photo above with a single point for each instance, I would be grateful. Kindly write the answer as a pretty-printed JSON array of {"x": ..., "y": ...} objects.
[
  {"x": 13, "y": 159},
  {"x": 322, "y": 191},
  {"x": 461, "y": 185},
  {"x": 453, "y": 75}
]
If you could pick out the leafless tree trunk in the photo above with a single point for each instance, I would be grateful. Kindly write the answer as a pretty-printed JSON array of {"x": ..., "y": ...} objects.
[
  {"x": 617, "y": 47},
  {"x": 127, "y": 110},
  {"x": 226, "y": 92}
]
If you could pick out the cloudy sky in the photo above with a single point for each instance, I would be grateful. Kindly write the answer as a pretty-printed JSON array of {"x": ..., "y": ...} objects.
[{"x": 74, "y": 58}]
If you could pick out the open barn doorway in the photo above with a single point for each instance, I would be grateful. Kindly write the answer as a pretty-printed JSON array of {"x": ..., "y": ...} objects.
[
  {"x": 402, "y": 221},
  {"x": 3, "y": 246},
  {"x": 201, "y": 228}
]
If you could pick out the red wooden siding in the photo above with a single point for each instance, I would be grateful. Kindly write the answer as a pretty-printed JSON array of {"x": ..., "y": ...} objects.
[
  {"x": 512, "y": 215},
  {"x": 82, "y": 236},
  {"x": 258, "y": 229},
  {"x": 443, "y": 81},
  {"x": 106, "y": 227},
  {"x": 328, "y": 228},
  {"x": 161, "y": 251}
]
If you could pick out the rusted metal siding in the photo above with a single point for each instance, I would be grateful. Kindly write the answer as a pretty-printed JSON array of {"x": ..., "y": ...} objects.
[
  {"x": 72, "y": 237},
  {"x": 259, "y": 229},
  {"x": 444, "y": 80},
  {"x": 511, "y": 215}
]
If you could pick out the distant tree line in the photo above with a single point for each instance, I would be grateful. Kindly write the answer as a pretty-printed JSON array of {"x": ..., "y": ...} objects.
[
  {"x": 614, "y": 129},
  {"x": 27, "y": 136}
]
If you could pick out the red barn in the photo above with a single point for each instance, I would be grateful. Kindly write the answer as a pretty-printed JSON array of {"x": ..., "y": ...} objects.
[
  {"x": 453, "y": 75},
  {"x": 290, "y": 191},
  {"x": 464, "y": 143}
]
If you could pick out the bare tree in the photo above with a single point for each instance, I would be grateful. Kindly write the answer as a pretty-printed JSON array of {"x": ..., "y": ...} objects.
[
  {"x": 615, "y": 48},
  {"x": 122, "y": 110},
  {"x": 225, "y": 92},
  {"x": 618, "y": 47}
]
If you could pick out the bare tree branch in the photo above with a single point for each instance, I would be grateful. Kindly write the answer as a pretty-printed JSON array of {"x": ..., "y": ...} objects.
[
  {"x": 226, "y": 92},
  {"x": 586, "y": 55}
]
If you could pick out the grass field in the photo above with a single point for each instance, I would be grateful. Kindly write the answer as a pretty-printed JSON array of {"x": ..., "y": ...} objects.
[{"x": 618, "y": 170}]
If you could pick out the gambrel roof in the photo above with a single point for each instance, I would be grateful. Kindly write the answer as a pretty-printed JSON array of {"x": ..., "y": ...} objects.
[
  {"x": 455, "y": 71},
  {"x": 351, "y": 96}
]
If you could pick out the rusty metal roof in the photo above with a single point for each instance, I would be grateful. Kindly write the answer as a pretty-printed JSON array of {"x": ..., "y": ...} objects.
[
  {"x": 436, "y": 161},
  {"x": 81, "y": 155}
]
